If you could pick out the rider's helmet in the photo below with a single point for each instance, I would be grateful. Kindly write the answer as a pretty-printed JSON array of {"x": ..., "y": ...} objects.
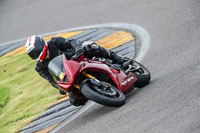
[{"x": 36, "y": 48}]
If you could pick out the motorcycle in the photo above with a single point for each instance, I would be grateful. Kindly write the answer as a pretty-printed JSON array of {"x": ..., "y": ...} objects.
[{"x": 98, "y": 79}]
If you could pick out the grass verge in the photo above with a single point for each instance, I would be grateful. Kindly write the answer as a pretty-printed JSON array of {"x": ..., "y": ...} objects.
[{"x": 23, "y": 93}]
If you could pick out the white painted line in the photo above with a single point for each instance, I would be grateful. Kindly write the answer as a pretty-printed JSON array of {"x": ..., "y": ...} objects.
[{"x": 141, "y": 33}]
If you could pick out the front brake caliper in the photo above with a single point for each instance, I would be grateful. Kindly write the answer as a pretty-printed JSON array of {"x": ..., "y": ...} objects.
[{"x": 95, "y": 82}]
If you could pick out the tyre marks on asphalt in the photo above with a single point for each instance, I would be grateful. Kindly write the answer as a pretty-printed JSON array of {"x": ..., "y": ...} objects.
[{"x": 119, "y": 41}]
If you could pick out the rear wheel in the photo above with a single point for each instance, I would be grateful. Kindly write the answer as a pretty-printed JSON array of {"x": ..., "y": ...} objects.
[{"x": 106, "y": 94}]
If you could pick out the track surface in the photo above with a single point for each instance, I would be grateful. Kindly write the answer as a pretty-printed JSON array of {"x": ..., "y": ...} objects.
[{"x": 171, "y": 102}]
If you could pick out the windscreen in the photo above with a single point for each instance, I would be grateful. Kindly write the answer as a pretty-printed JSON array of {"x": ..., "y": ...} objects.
[{"x": 56, "y": 68}]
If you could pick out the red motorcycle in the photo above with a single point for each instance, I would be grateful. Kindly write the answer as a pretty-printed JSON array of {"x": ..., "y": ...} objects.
[{"x": 98, "y": 79}]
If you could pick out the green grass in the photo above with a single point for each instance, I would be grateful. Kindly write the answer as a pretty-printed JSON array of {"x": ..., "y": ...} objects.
[
  {"x": 4, "y": 97},
  {"x": 23, "y": 93}
]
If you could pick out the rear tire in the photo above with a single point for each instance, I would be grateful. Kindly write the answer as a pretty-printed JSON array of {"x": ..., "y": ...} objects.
[
  {"x": 143, "y": 76},
  {"x": 88, "y": 91}
]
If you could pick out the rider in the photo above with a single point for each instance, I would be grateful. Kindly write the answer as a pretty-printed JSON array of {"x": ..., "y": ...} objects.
[{"x": 43, "y": 52}]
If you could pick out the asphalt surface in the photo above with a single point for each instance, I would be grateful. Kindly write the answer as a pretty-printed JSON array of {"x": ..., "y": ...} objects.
[{"x": 171, "y": 102}]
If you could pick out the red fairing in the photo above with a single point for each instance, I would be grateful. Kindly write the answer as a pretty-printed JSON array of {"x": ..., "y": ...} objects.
[
  {"x": 72, "y": 71},
  {"x": 95, "y": 66},
  {"x": 125, "y": 80},
  {"x": 122, "y": 80}
]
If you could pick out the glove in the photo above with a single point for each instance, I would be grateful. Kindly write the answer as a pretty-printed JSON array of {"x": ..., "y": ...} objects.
[
  {"x": 87, "y": 48},
  {"x": 89, "y": 45}
]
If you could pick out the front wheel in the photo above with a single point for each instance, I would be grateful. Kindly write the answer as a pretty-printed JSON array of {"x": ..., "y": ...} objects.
[{"x": 106, "y": 94}]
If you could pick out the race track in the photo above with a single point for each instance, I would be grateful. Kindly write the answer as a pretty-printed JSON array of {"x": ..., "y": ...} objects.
[{"x": 171, "y": 102}]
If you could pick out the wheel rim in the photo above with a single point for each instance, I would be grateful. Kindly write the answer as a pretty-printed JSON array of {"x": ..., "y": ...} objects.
[
  {"x": 140, "y": 71},
  {"x": 106, "y": 90}
]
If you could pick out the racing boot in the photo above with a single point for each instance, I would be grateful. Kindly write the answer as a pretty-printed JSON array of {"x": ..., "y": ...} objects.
[
  {"x": 123, "y": 61},
  {"x": 76, "y": 101}
]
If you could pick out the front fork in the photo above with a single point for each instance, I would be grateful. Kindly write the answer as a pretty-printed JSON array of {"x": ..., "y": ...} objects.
[{"x": 88, "y": 76}]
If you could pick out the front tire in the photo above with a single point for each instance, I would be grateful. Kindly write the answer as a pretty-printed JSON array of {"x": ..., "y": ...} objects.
[{"x": 89, "y": 91}]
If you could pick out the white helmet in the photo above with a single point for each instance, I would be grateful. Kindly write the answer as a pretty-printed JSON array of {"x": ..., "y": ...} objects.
[{"x": 36, "y": 48}]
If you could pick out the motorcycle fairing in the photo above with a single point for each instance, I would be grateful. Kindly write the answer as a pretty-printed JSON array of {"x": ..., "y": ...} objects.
[
  {"x": 72, "y": 70},
  {"x": 69, "y": 70},
  {"x": 125, "y": 80},
  {"x": 56, "y": 68},
  {"x": 121, "y": 79}
]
